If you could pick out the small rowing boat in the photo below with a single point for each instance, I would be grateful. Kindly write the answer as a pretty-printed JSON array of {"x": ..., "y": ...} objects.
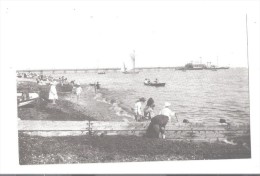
[
  {"x": 25, "y": 99},
  {"x": 155, "y": 84}
]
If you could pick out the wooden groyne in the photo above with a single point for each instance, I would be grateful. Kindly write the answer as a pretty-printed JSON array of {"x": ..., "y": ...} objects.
[{"x": 173, "y": 131}]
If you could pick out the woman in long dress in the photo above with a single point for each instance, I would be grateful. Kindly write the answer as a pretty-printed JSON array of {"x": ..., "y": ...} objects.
[
  {"x": 53, "y": 93},
  {"x": 149, "y": 109},
  {"x": 78, "y": 91}
]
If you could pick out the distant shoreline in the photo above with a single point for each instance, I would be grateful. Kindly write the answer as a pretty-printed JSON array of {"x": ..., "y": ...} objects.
[{"x": 104, "y": 69}]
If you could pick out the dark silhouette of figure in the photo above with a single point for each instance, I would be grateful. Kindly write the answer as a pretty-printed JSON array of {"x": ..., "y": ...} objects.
[{"x": 157, "y": 126}]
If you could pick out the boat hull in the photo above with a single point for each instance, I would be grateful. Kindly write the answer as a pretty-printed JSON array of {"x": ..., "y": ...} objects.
[
  {"x": 155, "y": 84},
  {"x": 26, "y": 102},
  {"x": 32, "y": 97},
  {"x": 130, "y": 72}
]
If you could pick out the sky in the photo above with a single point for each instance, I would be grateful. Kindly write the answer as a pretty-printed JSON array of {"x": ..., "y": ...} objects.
[{"x": 88, "y": 34}]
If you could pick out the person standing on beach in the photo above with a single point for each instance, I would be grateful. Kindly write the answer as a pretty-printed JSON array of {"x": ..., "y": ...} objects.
[
  {"x": 168, "y": 112},
  {"x": 96, "y": 87},
  {"x": 78, "y": 91},
  {"x": 53, "y": 93},
  {"x": 62, "y": 80},
  {"x": 138, "y": 108}
]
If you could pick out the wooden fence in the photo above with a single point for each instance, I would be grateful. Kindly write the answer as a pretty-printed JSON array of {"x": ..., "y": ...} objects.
[{"x": 178, "y": 131}]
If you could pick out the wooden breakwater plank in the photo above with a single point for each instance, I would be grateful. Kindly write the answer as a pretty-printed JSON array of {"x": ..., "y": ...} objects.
[
  {"x": 30, "y": 125},
  {"x": 75, "y": 128},
  {"x": 102, "y": 125},
  {"x": 38, "y": 125}
]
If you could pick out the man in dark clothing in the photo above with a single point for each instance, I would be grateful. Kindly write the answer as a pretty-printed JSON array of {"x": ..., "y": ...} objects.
[{"x": 157, "y": 126}]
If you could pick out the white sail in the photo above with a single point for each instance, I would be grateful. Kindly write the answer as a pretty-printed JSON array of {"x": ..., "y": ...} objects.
[
  {"x": 132, "y": 55},
  {"x": 124, "y": 68},
  {"x": 132, "y": 70}
]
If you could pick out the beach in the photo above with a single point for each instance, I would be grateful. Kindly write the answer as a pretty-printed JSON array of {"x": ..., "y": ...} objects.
[
  {"x": 66, "y": 107},
  {"x": 88, "y": 149}
]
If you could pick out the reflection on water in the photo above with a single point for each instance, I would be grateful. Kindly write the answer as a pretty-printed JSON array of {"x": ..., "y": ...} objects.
[{"x": 200, "y": 96}]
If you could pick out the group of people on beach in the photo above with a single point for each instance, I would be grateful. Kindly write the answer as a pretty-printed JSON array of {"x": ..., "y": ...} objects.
[
  {"x": 76, "y": 89},
  {"x": 26, "y": 75},
  {"x": 53, "y": 95},
  {"x": 158, "y": 122},
  {"x": 147, "y": 113}
]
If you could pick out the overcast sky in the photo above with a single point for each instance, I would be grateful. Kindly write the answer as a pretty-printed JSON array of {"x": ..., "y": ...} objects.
[{"x": 85, "y": 34}]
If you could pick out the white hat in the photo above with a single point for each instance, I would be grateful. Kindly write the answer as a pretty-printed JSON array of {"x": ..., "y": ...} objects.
[{"x": 167, "y": 104}]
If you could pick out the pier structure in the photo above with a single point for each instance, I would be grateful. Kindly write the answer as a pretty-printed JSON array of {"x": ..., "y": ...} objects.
[
  {"x": 93, "y": 70},
  {"x": 154, "y": 68},
  {"x": 53, "y": 71}
]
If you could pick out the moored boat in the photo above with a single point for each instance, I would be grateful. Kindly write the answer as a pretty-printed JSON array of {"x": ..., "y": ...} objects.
[
  {"x": 155, "y": 84},
  {"x": 132, "y": 71},
  {"x": 25, "y": 99},
  {"x": 65, "y": 88}
]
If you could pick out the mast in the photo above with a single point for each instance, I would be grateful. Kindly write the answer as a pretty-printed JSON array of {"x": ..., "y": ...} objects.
[
  {"x": 133, "y": 59},
  {"x": 217, "y": 61},
  {"x": 124, "y": 67}
]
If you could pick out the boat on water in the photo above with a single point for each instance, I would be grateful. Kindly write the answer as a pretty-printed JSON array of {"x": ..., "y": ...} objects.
[
  {"x": 65, "y": 88},
  {"x": 18, "y": 75},
  {"x": 132, "y": 71},
  {"x": 101, "y": 73},
  {"x": 26, "y": 98},
  {"x": 155, "y": 84},
  {"x": 191, "y": 66},
  {"x": 222, "y": 68},
  {"x": 216, "y": 68}
]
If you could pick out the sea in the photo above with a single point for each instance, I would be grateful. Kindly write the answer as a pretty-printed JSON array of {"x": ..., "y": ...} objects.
[{"x": 196, "y": 95}]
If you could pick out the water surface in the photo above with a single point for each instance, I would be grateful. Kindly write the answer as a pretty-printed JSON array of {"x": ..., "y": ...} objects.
[{"x": 200, "y": 96}]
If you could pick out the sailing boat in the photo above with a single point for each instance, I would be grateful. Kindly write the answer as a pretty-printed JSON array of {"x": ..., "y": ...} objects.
[
  {"x": 214, "y": 68},
  {"x": 132, "y": 71},
  {"x": 100, "y": 72}
]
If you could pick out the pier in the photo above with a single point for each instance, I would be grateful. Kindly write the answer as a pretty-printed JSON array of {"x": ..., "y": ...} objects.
[{"x": 94, "y": 70}]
